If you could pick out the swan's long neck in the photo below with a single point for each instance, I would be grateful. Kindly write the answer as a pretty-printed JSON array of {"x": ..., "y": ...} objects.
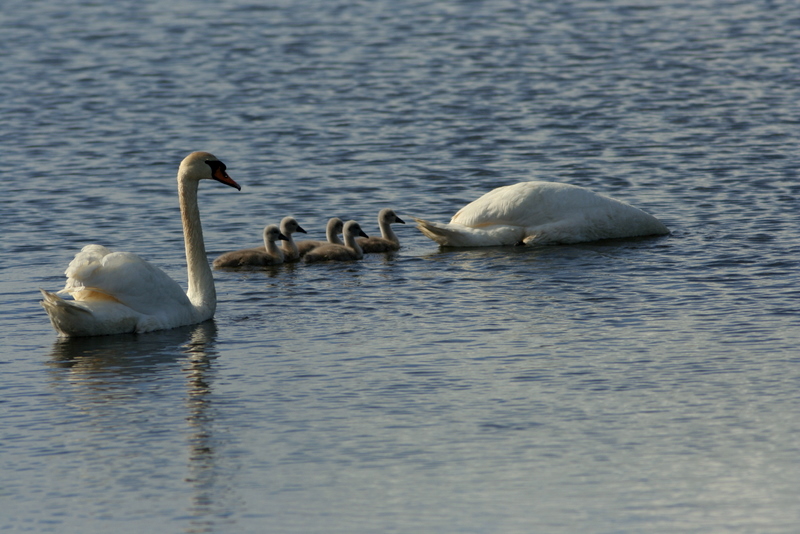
[
  {"x": 387, "y": 232},
  {"x": 201, "y": 290}
]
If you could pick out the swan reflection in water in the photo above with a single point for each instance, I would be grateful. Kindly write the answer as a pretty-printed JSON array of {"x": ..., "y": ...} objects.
[{"x": 106, "y": 375}]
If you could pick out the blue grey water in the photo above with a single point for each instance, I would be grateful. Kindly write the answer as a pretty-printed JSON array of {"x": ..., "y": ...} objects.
[{"x": 640, "y": 385}]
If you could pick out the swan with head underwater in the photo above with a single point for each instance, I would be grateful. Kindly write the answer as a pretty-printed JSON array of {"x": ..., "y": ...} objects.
[
  {"x": 541, "y": 213},
  {"x": 119, "y": 292}
]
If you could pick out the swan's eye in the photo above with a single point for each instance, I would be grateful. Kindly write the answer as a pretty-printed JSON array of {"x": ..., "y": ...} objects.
[{"x": 216, "y": 164}]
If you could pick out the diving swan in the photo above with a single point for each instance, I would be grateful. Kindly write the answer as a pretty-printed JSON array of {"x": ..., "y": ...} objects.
[
  {"x": 388, "y": 240},
  {"x": 269, "y": 254},
  {"x": 541, "y": 213},
  {"x": 119, "y": 292}
]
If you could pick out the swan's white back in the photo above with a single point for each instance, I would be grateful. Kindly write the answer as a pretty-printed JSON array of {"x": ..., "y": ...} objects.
[
  {"x": 538, "y": 213},
  {"x": 119, "y": 292}
]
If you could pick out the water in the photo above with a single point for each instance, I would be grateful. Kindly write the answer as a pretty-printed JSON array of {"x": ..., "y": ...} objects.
[{"x": 641, "y": 385}]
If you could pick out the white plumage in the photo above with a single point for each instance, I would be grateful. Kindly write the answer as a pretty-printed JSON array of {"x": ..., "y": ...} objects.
[
  {"x": 541, "y": 213},
  {"x": 119, "y": 292}
]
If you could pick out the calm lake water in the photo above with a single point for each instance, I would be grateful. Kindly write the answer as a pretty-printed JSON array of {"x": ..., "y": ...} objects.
[{"x": 643, "y": 385}]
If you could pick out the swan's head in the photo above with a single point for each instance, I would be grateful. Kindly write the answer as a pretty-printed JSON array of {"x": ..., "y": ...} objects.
[
  {"x": 272, "y": 233},
  {"x": 335, "y": 225},
  {"x": 389, "y": 216},
  {"x": 205, "y": 166},
  {"x": 352, "y": 228},
  {"x": 289, "y": 226}
]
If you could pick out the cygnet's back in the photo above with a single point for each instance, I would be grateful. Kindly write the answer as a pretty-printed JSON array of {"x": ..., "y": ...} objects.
[
  {"x": 332, "y": 231},
  {"x": 349, "y": 251},
  {"x": 271, "y": 254},
  {"x": 388, "y": 240}
]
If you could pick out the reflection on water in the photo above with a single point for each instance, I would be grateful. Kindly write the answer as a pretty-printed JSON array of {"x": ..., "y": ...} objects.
[
  {"x": 203, "y": 472},
  {"x": 137, "y": 354},
  {"x": 492, "y": 390},
  {"x": 104, "y": 373}
]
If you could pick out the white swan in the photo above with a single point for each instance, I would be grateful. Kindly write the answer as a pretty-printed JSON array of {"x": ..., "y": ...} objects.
[
  {"x": 540, "y": 213},
  {"x": 332, "y": 231},
  {"x": 388, "y": 240},
  {"x": 349, "y": 251},
  {"x": 269, "y": 254},
  {"x": 119, "y": 292},
  {"x": 289, "y": 226}
]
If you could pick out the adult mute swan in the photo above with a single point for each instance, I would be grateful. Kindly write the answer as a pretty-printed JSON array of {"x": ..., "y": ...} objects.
[
  {"x": 119, "y": 292},
  {"x": 270, "y": 254},
  {"x": 388, "y": 240},
  {"x": 541, "y": 213},
  {"x": 332, "y": 231},
  {"x": 349, "y": 251},
  {"x": 288, "y": 227}
]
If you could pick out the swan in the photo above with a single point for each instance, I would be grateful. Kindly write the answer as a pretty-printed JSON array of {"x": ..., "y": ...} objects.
[
  {"x": 269, "y": 254},
  {"x": 332, "y": 231},
  {"x": 388, "y": 240},
  {"x": 119, "y": 292},
  {"x": 541, "y": 213},
  {"x": 349, "y": 251},
  {"x": 289, "y": 226}
]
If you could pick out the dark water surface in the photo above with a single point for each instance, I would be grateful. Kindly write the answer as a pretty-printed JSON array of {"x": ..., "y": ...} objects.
[{"x": 642, "y": 385}]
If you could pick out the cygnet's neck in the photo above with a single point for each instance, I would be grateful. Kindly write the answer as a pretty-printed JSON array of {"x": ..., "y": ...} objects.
[
  {"x": 289, "y": 246},
  {"x": 332, "y": 235},
  {"x": 351, "y": 242},
  {"x": 387, "y": 232},
  {"x": 273, "y": 249}
]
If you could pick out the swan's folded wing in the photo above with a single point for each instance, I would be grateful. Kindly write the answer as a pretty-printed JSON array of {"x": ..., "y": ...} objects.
[
  {"x": 126, "y": 278},
  {"x": 516, "y": 205},
  {"x": 532, "y": 204}
]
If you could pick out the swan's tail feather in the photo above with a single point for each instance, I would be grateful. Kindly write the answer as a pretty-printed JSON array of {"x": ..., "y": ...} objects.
[
  {"x": 458, "y": 235},
  {"x": 65, "y": 314},
  {"x": 53, "y": 304},
  {"x": 441, "y": 235}
]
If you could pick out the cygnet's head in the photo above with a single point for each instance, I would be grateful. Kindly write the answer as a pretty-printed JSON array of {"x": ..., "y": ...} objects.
[
  {"x": 289, "y": 226},
  {"x": 335, "y": 225},
  {"x": 388, "y": 215},
  {"x": 352, "y": 228},
  {"x": 272, "y": 233}
]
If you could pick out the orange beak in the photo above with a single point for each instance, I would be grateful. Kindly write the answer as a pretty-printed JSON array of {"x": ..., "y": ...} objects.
[{"x": 221, "y": 176}]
